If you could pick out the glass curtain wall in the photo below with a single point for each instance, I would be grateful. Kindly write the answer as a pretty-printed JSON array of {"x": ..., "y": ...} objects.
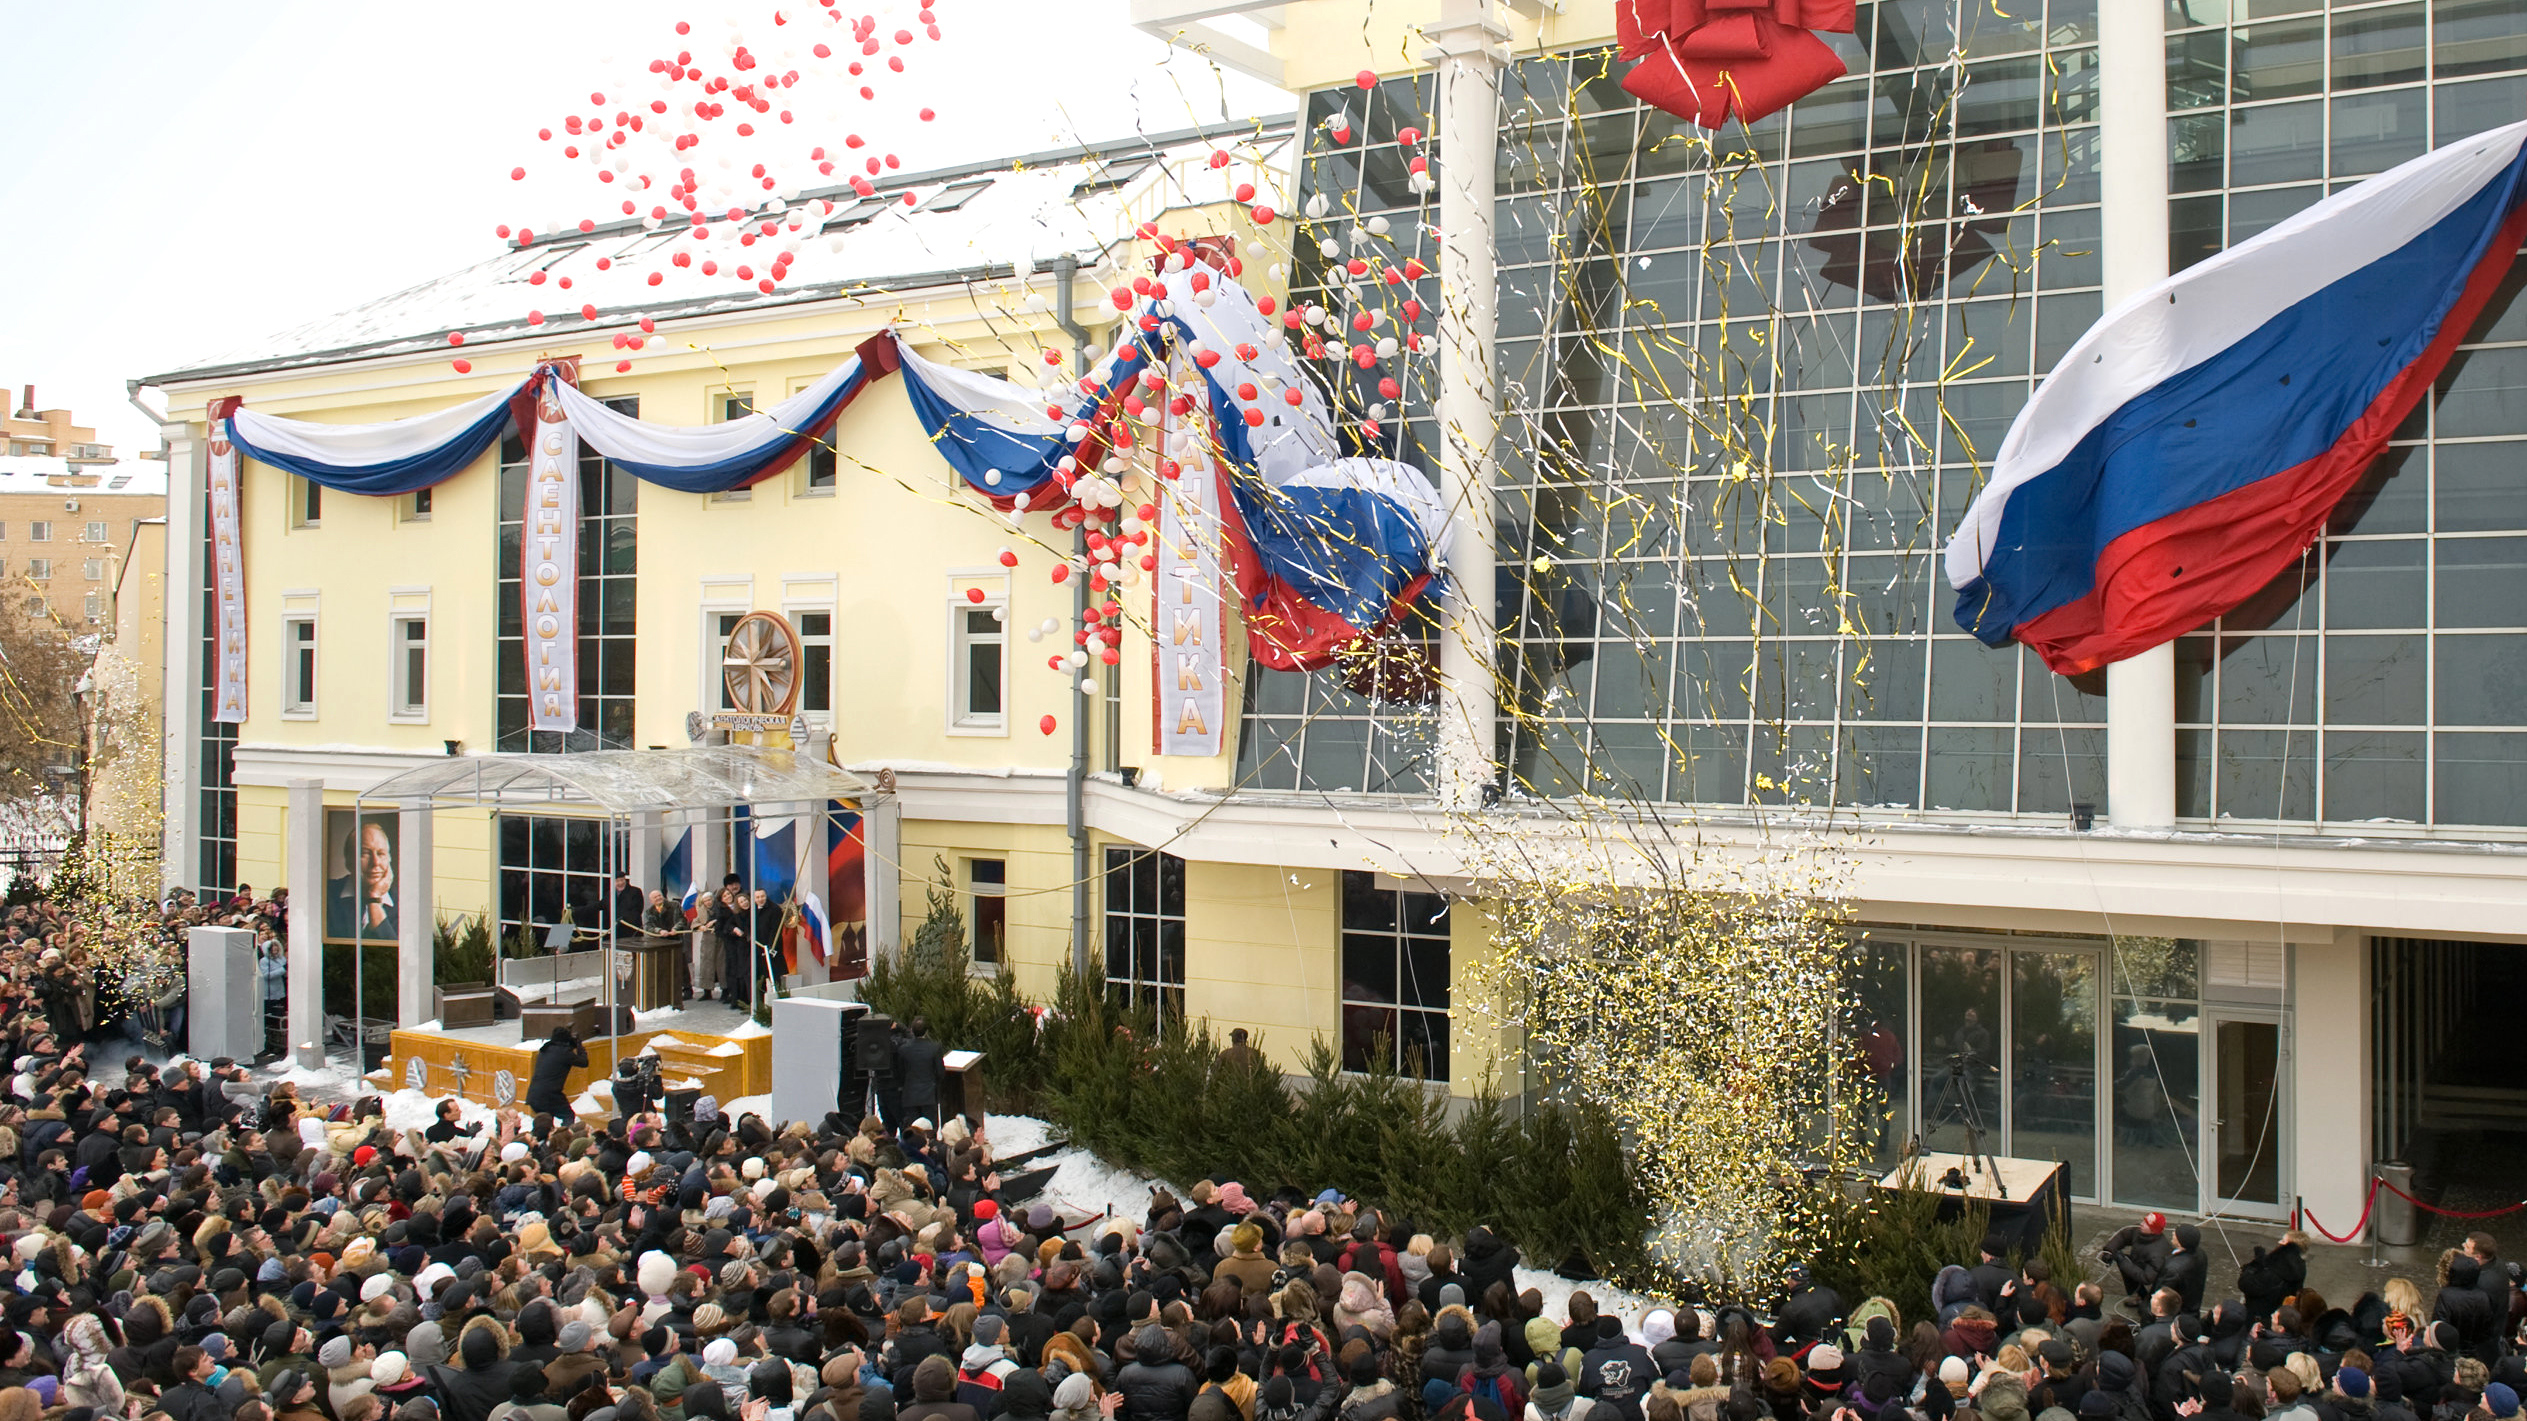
[
  {"x": 2002, "y": 1033},
  {"x": 1751, "y": 379}
]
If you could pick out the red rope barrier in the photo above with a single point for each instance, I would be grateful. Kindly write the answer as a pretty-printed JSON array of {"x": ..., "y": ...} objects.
[
  {"x": 2365, "y": 1206},
  {"x": 2452, "y": 1213},
  {"x": 2370, "y": 1203}
]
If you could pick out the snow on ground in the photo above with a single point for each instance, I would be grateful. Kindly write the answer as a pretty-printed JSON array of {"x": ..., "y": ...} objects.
[{"x": 1083, "y": 1186}]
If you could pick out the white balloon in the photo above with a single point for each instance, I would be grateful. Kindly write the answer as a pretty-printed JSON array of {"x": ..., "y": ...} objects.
[
  {"x": 1087, "y": 685},
  {"x": 1329, "y": 248},
  {"x": 1387, "y": 348},
  {"x": 992, "y": 477},
  {"x": 1378, "y": 225}
]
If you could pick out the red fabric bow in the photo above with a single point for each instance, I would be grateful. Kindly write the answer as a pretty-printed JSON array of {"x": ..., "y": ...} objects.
[{"x": 1704, "y": 60}]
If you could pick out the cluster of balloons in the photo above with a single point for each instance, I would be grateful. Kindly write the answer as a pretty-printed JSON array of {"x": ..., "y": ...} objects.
[{"x": 719, "y": 133}]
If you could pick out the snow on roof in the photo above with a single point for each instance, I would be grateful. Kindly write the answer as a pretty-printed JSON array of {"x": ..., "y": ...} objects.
[
  {"x": 45, "y": 473},
  {"x": 961, "y": 225}
]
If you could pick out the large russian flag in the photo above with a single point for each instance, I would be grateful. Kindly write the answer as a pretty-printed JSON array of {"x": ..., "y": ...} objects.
[{"x": 2191, "y": 445}]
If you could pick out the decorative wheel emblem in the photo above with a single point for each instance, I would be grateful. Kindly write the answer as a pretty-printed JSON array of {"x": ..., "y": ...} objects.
[
  {"x": 761, "y": 665},
  {"x": 504, "y": 1087},
  {"x": 417, "y": 1074}
]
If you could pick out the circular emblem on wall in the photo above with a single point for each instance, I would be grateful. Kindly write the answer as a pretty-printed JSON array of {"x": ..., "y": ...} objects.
[
  {"x": 504, "y": 1087},
  {"x": 761, "y": 665},
  {"x": 417, "y": 1074}
]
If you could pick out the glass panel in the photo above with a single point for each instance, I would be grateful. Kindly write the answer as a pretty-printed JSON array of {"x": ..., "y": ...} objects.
[
  {"x": 2157, "y": 1053},
  {"x": 2053, "y": 1062},
  {"x": 2247, "y": 1122},
  {"x": 1960, "y": 1064},
  {"x": 1878, "y": 979}
]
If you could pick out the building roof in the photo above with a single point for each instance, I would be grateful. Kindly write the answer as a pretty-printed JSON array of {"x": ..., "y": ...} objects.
[
  {"x": 47, "y": 473},
  {"x": 963, "y": 225}
]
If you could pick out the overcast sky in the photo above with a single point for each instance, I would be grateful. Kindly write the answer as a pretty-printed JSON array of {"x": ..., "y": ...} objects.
[{"x": 180, "y": 178}]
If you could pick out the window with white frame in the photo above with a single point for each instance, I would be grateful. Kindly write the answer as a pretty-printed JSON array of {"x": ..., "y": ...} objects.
[
  {"x": 307, "y": 504},
  {"x": 417, "y": 507},
  {"x": 39, "y": 531},
  {"x": 39, "y": 568},
  {"x": 989, "y": 879},
  {"x": 92, "y": 569},
  {"x": 96, "y": 607},
  {"x": 411, "y": 651},
  {"x": 1145, "y": 929},
  {"x": 96, "y": 531},
  {"x": 978, "y": 667},
  {"x": 298, "y": 671},
  {"x": 816, "y": 662}
]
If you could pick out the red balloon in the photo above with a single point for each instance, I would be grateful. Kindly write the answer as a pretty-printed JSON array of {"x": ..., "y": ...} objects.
[
  {"x": 1263, "y": 214},
  {"x": 974, "y": 594},
  {"x": 1008, "y": 558},
  {"x": 1389, "y": 388},
  {"x": 656, "y": 277},
  {"x": 648, "y": 325},
  {"x": 588, "y": 313},
  {"x": 1366, "y": 78},
  {"x": 535, "y": 318},
  {"x": 456, "y": 337},
  {"x": 517, "y": 174},
  {"x": 463, "y": 367},
  {"x": 1245, "y": 192},
  {"x": 622, "y": 365},
  {"x": 928, "y": 114},
  {"x": 1061, "y": 572},
  {"x": 1046, "y": 724}
]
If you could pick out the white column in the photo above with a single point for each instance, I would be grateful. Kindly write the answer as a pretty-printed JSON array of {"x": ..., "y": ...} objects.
[
  {"x": 2132, "y": 178},
  {"x": 1466, "y": 45},
  {"x": 882, "y": 823},
  {"x": 181, "y": 659},
  {"x": 2327, "y": 1066},
  {"x": 417, "y": 917},
  {"x": 303, "y": 865}
]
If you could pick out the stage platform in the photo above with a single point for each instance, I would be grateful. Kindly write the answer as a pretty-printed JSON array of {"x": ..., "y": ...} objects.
[{"x": 708, "y": 1047}]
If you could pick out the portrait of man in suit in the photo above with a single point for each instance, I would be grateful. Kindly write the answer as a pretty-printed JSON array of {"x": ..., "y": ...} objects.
[{"x": 360, "y": 878}]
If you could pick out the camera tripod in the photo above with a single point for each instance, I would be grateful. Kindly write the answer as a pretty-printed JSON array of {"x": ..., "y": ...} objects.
[{"x": 1957, "y": 1103}]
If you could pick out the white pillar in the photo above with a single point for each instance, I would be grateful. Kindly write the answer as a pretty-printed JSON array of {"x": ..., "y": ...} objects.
[
  {"x": 2327, "y": 1055},
  {"x": 180, "y": 847},
  {"x": 1466, "y": 45},
  {"x": 2132, "y": 180},
  {"x": 417, "y": 918},
  {"x": 303, "y": 865},
  {"x": 882, "y": 827}
]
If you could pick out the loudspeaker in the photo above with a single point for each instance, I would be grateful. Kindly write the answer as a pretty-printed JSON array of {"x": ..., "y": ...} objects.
[
  {"x": 873, "y": 1044},
  {"x": 679, "y": 1106}
]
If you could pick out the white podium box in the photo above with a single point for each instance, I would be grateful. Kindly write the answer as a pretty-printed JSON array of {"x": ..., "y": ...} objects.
[{"x": 223, "y": 994}]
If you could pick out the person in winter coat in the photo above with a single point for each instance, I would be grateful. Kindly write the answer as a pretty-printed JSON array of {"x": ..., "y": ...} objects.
[
  {"x": 2272, "y": 1276},
  {"x": 548, "y": 1090},
  {"x": 1951, "y": 1292},
  {"x": 1810, "y": 1311},
  {"x": 2179, "y": 1377},
  {"x": 192, "y": 1398},
  {"x": 1445, "y": 1356},
  {"x": 1974, "y": 1334},
  {"x": 1491, "y": 1378},
  {"x": 1372, "y": 1397},
  {"x": 1155, "y": 1386},
  {"x": 2462, "y": 1305},
  {"x": 2186, "y": 1270},
  {"x": 1362, "y": 1305},
  {"x": 86, "y": 1377},
  {"x": 934, "y": 1389},
  {"x": 470, "y": 1392},
  {"x": 1617, "y": 1372},
  {"x": 1486, "y": 1260},
  {"x": 1877, "y": 1355},
  {"x": 2119, "y": 1380},
  {"x": 2139, "y": 1253},
  {"x": 1556, "y": 1399},
  {"x": 1374, "y": 1258},
  {"x": 293, "y": 1397},
  {"x": 1246, "y": 1262}
]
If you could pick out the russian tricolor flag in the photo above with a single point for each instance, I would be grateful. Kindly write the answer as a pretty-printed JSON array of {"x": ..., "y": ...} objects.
[
  {"x": 815, "y": 930},
  {"x": 2189, "y": 448}
]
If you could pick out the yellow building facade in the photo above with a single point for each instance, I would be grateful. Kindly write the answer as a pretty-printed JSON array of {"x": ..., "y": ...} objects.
[{"x": 870, "y": 552}]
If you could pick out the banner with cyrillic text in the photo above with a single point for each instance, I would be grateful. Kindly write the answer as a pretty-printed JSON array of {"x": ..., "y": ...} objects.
[
  {"x": 1186, "y": 615},
  {"x": 549, "y": 562},
  {"x": 228, "y": 577}
]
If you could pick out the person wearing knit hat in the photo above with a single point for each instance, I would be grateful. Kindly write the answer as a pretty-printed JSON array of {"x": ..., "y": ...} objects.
[{"x": 2501, "y": 1400}]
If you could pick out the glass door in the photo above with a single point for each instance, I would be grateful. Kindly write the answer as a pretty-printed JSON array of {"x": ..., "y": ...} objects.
[{"x": 2246, "y": 1139}]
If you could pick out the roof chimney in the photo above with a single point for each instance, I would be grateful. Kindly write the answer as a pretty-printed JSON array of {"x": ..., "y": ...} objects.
[{"x": 26, "y": 408}]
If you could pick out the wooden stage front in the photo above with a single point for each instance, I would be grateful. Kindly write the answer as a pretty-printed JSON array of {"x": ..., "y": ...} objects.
[{"x": 707, "y": 1047}]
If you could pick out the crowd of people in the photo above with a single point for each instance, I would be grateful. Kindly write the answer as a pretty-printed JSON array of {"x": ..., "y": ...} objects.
[
  {"x": 135, "y": 986},
  {"x": 186, "y": 1244}
]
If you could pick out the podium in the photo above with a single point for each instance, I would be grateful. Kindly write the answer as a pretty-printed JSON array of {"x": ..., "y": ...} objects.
[
  {"x": 2023, "y": 1195},
  {"x": 657, "y": 971},
  {"x": 812, "y": 1039},
  {"x": 223, "y": 994},
  {"x": 961, "y": 1085}
]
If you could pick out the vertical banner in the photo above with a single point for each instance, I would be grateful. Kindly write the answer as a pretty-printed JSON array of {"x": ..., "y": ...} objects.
[
  {"x": 1186, "y": 608},
  {"x": 228, "y": 572},
  {"x": 549, "y": 588},
  {"x": 846, "y": 877}
]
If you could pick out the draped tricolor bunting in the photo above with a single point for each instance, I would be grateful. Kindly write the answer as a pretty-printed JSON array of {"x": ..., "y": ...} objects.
[
  {"x": 2189, "y": 448},
  {"x": 228, "y": 577},
  {"x": 548, "y": 587}
]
